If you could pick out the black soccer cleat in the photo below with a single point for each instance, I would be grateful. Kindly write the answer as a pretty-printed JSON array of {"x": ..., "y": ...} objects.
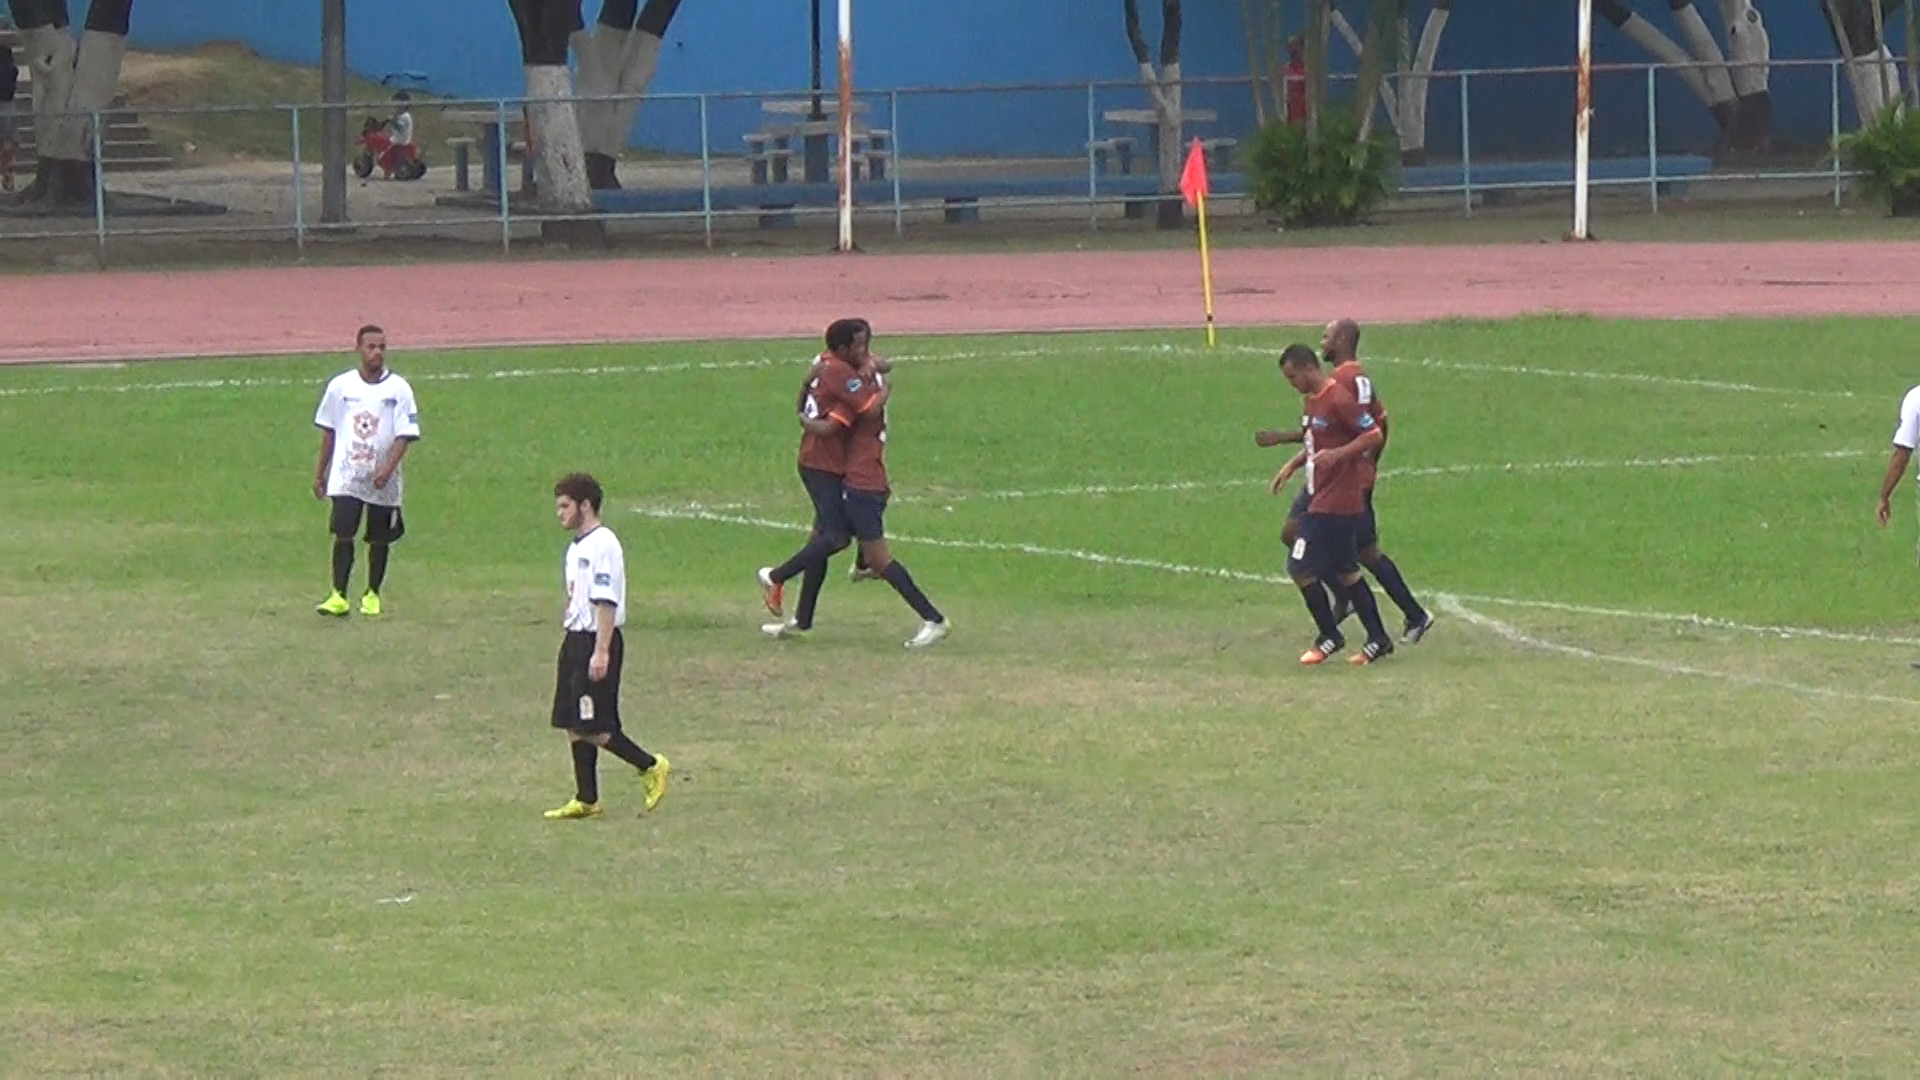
[
  {"x": 1415, "y": 631},
  {"x": 1371, "y": 652}
]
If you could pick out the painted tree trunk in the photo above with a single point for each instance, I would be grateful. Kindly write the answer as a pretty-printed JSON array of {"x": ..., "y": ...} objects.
[
  {"x": 1413, "y": 96},
  {"x": 1662, "y": 48},
  {"x": 554, "y": 132},
  {"x": 548, "y": 29},
  {"x": 1750, "y": 51},
  {"x": 1701, "y": 42},
  {"x": 1164, "y": 90},
  {"x": 617, "y": 62},
  {"x": 72, "y": 82}
]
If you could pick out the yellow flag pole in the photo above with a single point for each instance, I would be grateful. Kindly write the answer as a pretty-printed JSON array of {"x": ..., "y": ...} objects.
[{"x": 1206, "y": 266}]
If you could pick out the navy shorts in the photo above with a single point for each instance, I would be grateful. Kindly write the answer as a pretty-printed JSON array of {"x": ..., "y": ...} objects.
[
  {"x": 1327, "y": 546},
  {"x": 1368, "y": 533},
  {"x": 827, "y": 491},
  {"x": 384, "y": 523},
  {"x": 865, "y": 512}
]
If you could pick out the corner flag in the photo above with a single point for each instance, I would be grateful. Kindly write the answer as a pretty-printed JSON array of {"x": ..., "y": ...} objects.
[{"x": 1193, "y": 186}]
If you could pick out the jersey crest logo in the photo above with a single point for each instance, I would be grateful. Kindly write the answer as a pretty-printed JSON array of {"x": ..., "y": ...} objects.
[
  {"x": 854, "y": 385},
  {"x": 365, "y": 424}
]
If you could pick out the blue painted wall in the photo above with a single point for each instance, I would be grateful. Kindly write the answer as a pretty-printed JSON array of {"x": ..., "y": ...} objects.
[{"x": 468, "y": 48}]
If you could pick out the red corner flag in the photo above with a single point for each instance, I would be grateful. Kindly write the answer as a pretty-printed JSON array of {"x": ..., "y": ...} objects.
[{"x": 1193, "y": 178}]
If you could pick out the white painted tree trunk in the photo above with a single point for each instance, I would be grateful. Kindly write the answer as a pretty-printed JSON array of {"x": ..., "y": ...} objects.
[
  {"x": 59, "y": 134},
  {"x": 639, "y": 60},
  {"x": 554, "y": 132},
  {"x": 1165, "y": 92},
  {"x": 96, "y": 78},
  {"x": 1413, "y": 96},
  {"x": 1747, "y": 46},
  {"x": 599, "y": 52},
  {"x": 1693, "y": 31}
]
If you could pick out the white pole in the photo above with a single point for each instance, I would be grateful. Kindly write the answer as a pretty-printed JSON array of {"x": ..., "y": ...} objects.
[
  {"x": 1583, "y": 105},
  {"x": 846, "y": 125}
]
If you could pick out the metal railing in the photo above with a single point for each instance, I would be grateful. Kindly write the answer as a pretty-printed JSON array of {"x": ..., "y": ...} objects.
[{"x": 1057, "y": 133}]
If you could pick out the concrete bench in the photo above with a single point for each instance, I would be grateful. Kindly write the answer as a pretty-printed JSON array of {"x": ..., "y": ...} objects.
[{"x": 1120, "y": 147}]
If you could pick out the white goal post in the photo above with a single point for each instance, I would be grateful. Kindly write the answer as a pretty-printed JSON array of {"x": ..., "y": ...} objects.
[
  {"x": 846, "y": 125},
  {"x": 1583, "y": 119}
]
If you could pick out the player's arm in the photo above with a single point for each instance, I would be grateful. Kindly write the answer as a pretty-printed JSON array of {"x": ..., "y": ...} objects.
[
  {"x": 600, "y": 593},
  {"x": 1276, "y": 436},
  {"x": 880, "y": 364},
  {"x": 324, "y": 465},
  {"x": 324, "y": 418},
  {"x": 1896, "y": 471},
  {"x": 392, "y": 465},
  {"x": 1905, "y": 437},
  {"x": 1369, "y": 440},
  {"x": 1286, "y": 472}
]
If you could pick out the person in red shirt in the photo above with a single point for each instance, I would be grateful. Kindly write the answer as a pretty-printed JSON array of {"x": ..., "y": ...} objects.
[
  {"x": 823, "y": 470},
  {"x": 1295, "y": 76},
  {"x": 1339, "y": 347},
  {"x": 1338, "y": 435}
]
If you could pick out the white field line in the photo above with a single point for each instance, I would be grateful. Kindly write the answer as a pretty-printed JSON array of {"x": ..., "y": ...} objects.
[
  {"x": 721, "y": 517},
  {"x": 1513, "y": 635},
  {"x": 1181, "y": 352},
  {"x": 1466, "y": 469},
  {"x": 489, "y": 376}
]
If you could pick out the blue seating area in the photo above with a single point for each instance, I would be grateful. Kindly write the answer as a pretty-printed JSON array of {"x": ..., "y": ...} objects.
[
  {"x": 958, "y": 190},
  {"x": 961, "y": 195}
]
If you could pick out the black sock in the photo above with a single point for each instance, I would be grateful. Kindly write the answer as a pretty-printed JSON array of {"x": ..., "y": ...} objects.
[
  {"x": 376, "y": 567},
  {"x": 1321, "y": 608},
  {"x": 586, "y": 772},
  {"x": 814, "y": 576},
  {"x": 820, "y": 548},
  {"x": 1388, "y": 575},
  {"x": 629, "y": 751},
  {"x": 1369, "y": 611},
  {"x": 342, "y": 564},
  {"x": 902, "y": 583}
]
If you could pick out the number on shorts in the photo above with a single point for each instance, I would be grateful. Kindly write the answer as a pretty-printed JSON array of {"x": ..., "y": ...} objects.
[{"x": 1300, "y": 548}]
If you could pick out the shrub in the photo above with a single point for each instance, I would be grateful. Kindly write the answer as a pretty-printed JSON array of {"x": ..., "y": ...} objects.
[
  {"x": 1334, "y": 180},
  {"x": 1886, "y": 154}
]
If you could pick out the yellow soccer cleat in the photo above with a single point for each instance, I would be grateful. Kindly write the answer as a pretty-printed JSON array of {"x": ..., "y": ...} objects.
[
  {"x": 656, "y": 780},
  {"x": 334, "y": 604},
  {"x": 574, "y": 810},
  {"x": 370, "y": 605}
]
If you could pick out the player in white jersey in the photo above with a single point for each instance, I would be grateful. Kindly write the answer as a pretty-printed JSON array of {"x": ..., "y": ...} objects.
[
  {"x": 367, "y": 420},
  {"x": 586, "y": 692},
  {"x": 1905, "y": 437}
]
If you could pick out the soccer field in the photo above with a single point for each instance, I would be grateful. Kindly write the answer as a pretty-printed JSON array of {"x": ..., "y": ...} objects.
[{"x": 1644, "y": 802}]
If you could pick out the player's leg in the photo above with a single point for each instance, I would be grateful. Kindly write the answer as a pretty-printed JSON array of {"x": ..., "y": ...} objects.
[
  {"x": 1344, "y": 561},
  {"x": 342, "y": 523},
  {"x": 824, "y": 491},
  {"x": 860, "y": 571},
  {"x": 570, "y": 676},
  {"x": 866, "y": 513},
  {"x": 608, "y": 734},
  {"x": 1304, "y": 562},
  {"x": 385, "y": 526},
  {"x": 1376, "y": 562}
]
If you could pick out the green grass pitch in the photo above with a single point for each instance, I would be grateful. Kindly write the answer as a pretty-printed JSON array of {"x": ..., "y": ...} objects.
[{"x": 1110, "y": 827}]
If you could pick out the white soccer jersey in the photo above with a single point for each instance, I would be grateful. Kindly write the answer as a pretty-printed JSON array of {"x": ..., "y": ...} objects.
[
  {"x": 596, "y": 571},
  {"x": 365, "y": 419},
  {"x": 1907, "y": 435}
]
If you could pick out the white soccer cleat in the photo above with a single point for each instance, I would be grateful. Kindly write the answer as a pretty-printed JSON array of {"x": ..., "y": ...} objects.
[
  {"x": 788, "y": 629},
  {"x": 931, "y": 633}
]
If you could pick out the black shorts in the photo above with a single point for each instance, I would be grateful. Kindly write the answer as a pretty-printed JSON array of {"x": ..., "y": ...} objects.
[
  {"x": 384, "y": 523},
  {"x": 829, "y": 504},
  {"x": 1300, "y": 502},
  {"x": 866, "y": 511},
  {"x": 579, "y": 703},
  {"x": 1326, "y": 546}
]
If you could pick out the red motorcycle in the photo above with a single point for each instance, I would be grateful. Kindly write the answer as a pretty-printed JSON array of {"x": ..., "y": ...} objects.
[{"x": 378, "y": 150}]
